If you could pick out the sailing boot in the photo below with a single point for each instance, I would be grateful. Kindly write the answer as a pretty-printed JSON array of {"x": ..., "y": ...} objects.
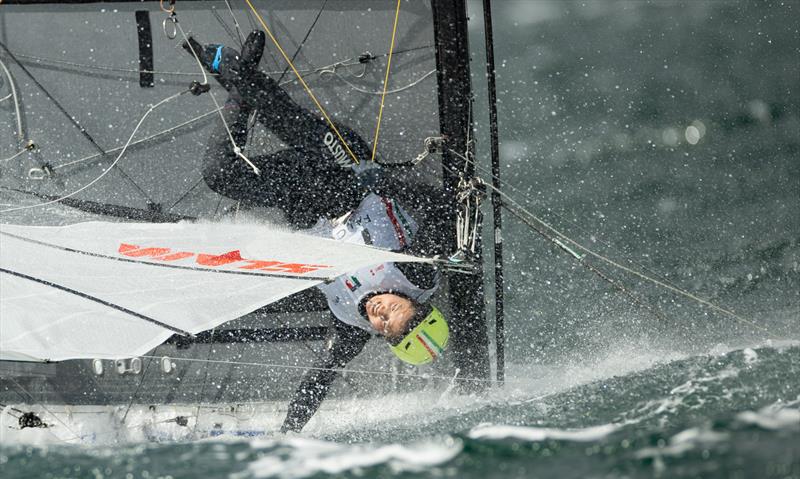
[{"x": 230, "y": 66}]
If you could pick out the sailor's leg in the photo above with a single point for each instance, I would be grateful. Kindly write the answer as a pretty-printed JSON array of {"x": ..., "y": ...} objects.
[
  {"x": 285, "y": 182},
  {"x": 300, "y": 128},
  {"x": 223, "y": 170},
  {"x": 307, "y": 194},
  {"x": 348, "y": 342}
]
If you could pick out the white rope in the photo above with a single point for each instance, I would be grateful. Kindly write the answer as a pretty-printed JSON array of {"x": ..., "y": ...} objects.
[
  {"x": 13, "y": 95},
  {"x": 148, "y": 138},
  {"x": 368, "y": 92},
  {"x": 14, "y": 155}
]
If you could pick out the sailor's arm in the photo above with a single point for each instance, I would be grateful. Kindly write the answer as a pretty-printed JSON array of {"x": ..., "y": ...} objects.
[{"x": 347, "y": 342}]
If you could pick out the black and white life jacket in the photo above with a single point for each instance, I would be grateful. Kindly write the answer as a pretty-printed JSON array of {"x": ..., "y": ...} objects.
[{"x": 381, "y": 222}]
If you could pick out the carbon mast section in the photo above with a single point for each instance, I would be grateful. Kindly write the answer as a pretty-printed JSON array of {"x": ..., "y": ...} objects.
[{"x": 470, "y": 341}]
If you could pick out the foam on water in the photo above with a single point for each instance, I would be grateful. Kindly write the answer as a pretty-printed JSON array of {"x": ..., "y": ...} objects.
[
  {"x": 683, "y": 442},
  {"x": 302, "y": 457},
  {"x": 778, "y": 416},
  {"x": 589, "y": 434}
]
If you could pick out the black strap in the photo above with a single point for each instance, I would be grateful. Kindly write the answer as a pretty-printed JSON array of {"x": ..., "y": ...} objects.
[{"x": 145, "y": 35}]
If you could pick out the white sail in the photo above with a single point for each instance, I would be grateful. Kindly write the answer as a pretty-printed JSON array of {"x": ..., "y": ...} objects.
[{"x": 113, "y": 290}]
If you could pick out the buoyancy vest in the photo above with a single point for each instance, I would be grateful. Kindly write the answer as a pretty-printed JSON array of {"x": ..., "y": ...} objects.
[{"x": 379, "y": 222}]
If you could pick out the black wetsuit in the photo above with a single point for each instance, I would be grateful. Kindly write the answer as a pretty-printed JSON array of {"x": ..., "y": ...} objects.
[{"x": 306, "y": 181}]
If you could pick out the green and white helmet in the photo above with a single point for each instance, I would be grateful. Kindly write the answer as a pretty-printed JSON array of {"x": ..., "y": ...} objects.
[{"x": 426, "y": 339}]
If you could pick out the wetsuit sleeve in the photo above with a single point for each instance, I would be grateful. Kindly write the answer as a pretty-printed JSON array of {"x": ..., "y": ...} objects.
[{"x": 347, "y": 342}]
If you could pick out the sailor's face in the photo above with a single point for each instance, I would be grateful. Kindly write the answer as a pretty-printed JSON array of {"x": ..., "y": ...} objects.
[{"x": 389, "y": 314}]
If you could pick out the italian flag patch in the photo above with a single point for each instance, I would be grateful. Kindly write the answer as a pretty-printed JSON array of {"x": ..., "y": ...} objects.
[{"x": 430, "y": 344}]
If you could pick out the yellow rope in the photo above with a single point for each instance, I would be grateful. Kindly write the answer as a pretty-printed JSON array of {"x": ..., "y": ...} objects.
[
  {"x": 302, "y": 82},
  {"x": 385, "y": 82}
]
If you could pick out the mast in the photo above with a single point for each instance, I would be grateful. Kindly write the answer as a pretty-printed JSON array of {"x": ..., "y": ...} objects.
[
  {"x": 469, "y": 338},
  {"x": 499, "y": 320}
]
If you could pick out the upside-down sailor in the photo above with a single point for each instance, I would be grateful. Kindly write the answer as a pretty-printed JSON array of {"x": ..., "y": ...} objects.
[{"x": 316, "y": 177}]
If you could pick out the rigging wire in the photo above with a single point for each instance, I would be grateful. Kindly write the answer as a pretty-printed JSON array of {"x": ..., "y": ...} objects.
[
  {"x": 327, "y": 69},
  {"x": 17, "y": 154},
  {"x": 235, "y": 23},
  {"x": 385, "y": 83},
  {"x": 561, "y": 236},
  {"x": 253, "y": 23},
  {"x": 145, "y": 139},
  {"x": 216, "y": 209},
  {"x": 29, "y": 145},
  {"x": 72, "y": 119},
  {"x": 236, "y": 149},
  {"x": 582, "y": 260},
  {"x": 322, "y": 70},
  {"x": 83, "y": 66},
  {"x": 107, "y": 170},
  {"x": 225, "y": 26},
  {"x": 497, "y": 217},
  {"x": 303, "y": 82},
  {"x": 577, "y": 226},
  {"x": 303, "y": 42}
]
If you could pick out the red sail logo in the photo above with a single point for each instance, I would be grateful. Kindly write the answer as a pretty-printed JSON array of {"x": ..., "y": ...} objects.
[{"x": 232, "y": 258}]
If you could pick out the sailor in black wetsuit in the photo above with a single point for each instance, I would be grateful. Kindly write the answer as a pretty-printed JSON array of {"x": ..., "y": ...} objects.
[{"x": 313, "y": 178}]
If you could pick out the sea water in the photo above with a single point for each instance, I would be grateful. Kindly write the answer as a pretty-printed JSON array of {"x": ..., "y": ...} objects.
[
  {"x": 731, "y": 414},
  {"x": 663, "y": 132}
]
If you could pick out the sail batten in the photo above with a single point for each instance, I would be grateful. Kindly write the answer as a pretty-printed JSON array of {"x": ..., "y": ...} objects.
[{"x": 101, "y": 289}]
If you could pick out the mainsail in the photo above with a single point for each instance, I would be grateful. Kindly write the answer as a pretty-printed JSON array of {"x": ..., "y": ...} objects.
[{"x": 113, "y": 290}]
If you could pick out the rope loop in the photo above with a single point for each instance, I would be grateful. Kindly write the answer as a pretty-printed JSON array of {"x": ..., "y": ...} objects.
[{"x": 40, "y": 173}]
